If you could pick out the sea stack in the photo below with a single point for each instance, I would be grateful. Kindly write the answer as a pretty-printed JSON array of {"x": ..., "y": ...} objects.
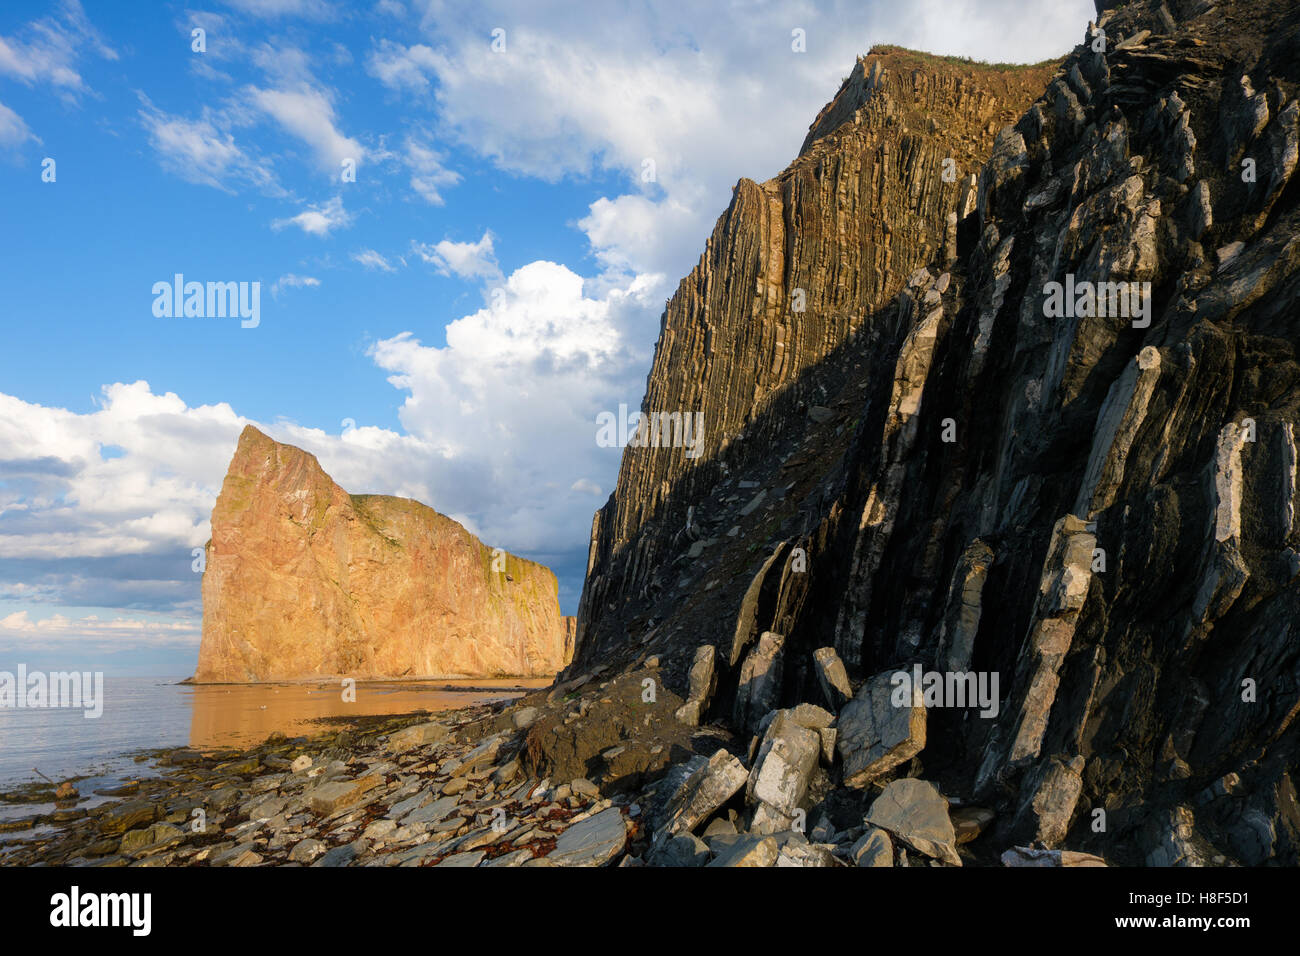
[{"x": 304, "y": 580}]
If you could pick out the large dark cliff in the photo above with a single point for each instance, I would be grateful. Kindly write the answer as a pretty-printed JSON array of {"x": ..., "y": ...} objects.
[{"x": 918, "y": 450}]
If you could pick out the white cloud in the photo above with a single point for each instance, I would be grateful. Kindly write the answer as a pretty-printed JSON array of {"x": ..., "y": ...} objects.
[
  {"x": 511, "y": 401},
  {"x": 468, "y": 260},
  {"x": 373, "y": 260},
  {"x": 318, "y": 220},
  {"x": 48, "y": 50},
  {"x": 402, "y": 68},
  {"x": 308, "y": 114},
  {"x": 13, "y": 131},
  {"x": 428, "y": 175},
  {"x": 292, "y": 281},
  {"x": 707, "y": 98},
  {"x": 200, "y": 151},
  {"x": 19, "y": 628}
]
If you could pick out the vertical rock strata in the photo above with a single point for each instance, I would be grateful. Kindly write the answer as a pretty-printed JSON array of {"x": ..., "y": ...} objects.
[
  {"x": 931, "y": 463},
  {"x": 304, "y": 580}
]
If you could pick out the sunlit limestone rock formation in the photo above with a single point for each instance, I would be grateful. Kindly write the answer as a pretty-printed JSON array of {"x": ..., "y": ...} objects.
[{"x": 304, "y": 580}]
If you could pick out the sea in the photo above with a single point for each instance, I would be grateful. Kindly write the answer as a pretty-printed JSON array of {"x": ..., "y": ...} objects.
[{"x": 141, "y": 714}]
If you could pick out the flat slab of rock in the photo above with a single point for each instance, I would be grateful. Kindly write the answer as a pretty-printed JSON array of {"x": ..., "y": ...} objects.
[
  {"x": 593, "y": 842},
  {"x": 876, "y": 732},
  {"x": 329, "y": 798},
  {"x": 1028, "y": 856},
  {"x": 916, "y": 813},
  {"x": 409, "y": 738}
]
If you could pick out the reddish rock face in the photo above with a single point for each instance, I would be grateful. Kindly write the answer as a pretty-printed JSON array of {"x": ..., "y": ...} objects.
[{"x": 304, "y": 580}]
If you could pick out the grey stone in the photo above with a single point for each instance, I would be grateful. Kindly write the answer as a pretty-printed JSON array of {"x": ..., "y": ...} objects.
[
  {"x": 873, "y": 849},
  {"x": 701, "y": 793},
  {"x": 916, "y": 813},
  {"x": 832, "y": 677},
  {"x": 593, "y": 842},
  {"x": 785, "y": 761},
  {"x": 875, "y": 735},
  {"x": 760, "y": 680}
]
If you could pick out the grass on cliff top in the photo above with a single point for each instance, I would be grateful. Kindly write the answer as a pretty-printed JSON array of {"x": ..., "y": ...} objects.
[{"x": 936, "y": 58}]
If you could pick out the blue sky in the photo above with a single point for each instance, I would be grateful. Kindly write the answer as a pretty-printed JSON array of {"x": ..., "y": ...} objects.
[{"x": 490, "y": 282}]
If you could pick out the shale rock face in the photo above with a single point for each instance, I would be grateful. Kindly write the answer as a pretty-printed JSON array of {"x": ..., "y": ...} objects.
[
  {"x": 1038, "y": 425},
  {"x": 304, "y": 580}
]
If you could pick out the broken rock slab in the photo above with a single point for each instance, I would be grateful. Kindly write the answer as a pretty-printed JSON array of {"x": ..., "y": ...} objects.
[
  {"x": 876, "y": 732},
  {"x": 760, "y": 680},
  {"x": 329, "y": 798},
  {"x": 915, "y": 812},
  {"x": 593, "y": 842},
  {"x": 701, "y": 793},
  {"x": 832, "y": 677},
  {"x": 409, "y": 738},
  {"x": 786, "y": 759},
  {"x": 703, "y": 682},
  {"x": 873, "y": 849},
  {"x": 1029, "y": 856}
]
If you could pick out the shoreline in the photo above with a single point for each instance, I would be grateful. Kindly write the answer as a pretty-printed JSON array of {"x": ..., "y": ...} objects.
[{"x": 411, "y": 789}]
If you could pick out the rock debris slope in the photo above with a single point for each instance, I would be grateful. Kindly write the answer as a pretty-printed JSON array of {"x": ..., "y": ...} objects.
[
  {"x": 304, "y": 580},
  {"x": 940, "y": 463}
]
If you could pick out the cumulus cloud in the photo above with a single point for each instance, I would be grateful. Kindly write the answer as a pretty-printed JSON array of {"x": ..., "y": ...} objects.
[
  {"x": 705, "y": 99},
  {"x": 511, "y": 402},
  {"x": 468, "y": 260},
  {"x": 318, "y": 220}
]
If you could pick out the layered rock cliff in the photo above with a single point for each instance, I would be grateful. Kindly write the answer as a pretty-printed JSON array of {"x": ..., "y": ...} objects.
[
  {"x": 304, "y": 580},
  {"x": 1035, "y": 429}
]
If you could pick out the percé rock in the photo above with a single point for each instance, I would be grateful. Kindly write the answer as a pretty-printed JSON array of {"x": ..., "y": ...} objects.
[
  {"x": 917, "y": 452},
  {"x": 304, "y": 580}
]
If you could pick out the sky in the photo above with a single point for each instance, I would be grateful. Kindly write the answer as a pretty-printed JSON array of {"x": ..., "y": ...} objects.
[{"x": 464, "y": 219}]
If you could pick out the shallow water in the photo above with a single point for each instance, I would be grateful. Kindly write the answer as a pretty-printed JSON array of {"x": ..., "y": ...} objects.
[{"x": 146, "y": 713}]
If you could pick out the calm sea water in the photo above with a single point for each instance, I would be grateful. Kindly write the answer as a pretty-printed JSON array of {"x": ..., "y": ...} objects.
[{"x": 144, "y": 713}]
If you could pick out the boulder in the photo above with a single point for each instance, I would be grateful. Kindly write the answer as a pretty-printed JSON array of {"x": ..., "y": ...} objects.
[
  {"x": 786, "y": 759},
  {"x": 916, "y": 813},
  {"x": 876, "y": 733}
]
